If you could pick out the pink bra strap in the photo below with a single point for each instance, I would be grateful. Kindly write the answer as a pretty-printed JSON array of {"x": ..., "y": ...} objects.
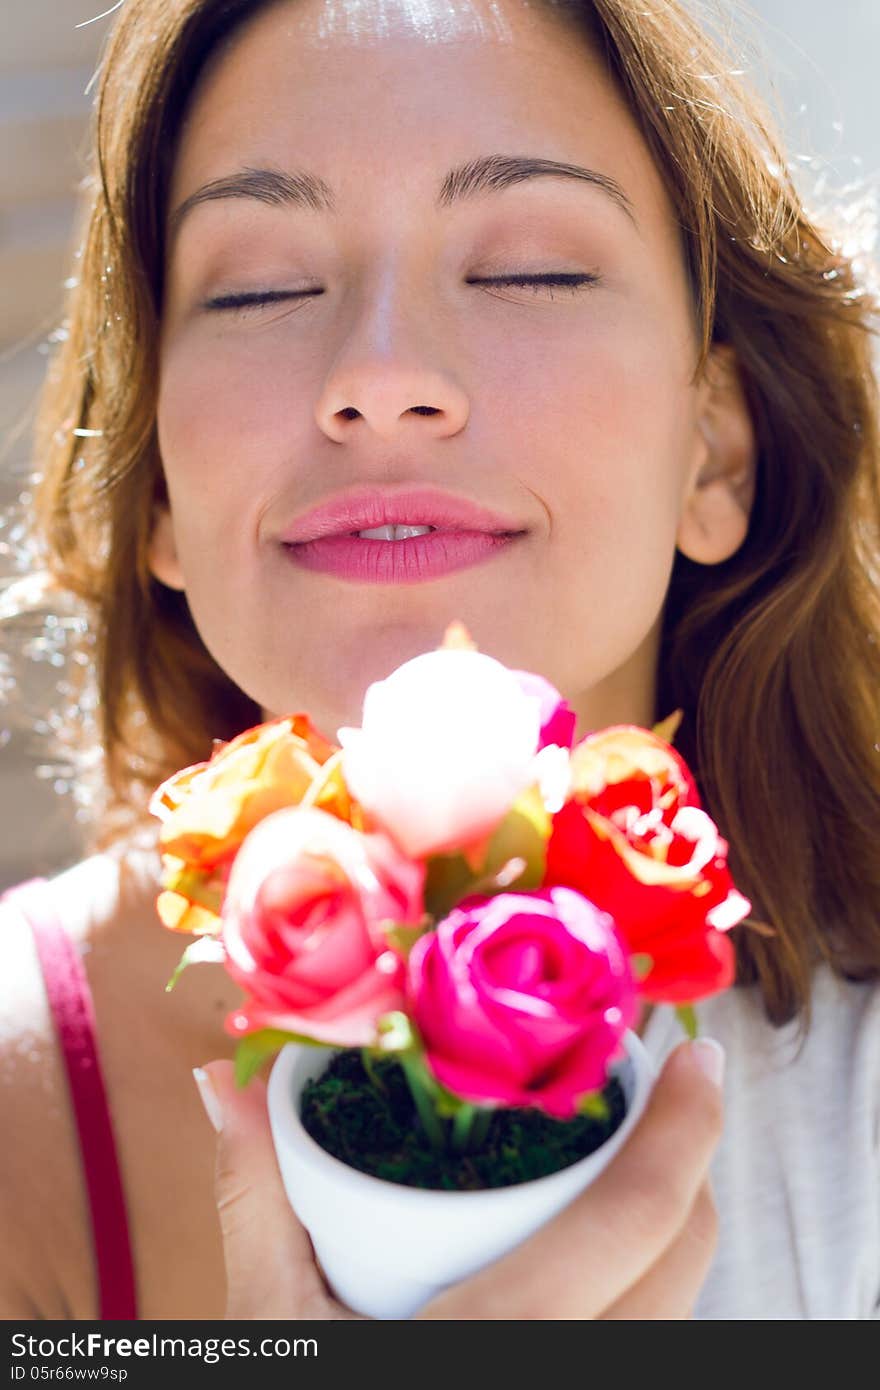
[{"x": 70, "y": 1000}]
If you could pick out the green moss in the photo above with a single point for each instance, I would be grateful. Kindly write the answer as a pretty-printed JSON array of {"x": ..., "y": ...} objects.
[{"x": 379, "y": 1133}]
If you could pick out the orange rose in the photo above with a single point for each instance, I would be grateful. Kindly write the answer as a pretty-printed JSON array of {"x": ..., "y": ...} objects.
[{"x": 207, "y": 810}]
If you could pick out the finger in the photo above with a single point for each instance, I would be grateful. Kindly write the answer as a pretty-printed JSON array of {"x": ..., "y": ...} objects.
[
  {"x": 671, "y": 1287},
  {"x": 270, "y": 1265},
  {"x": 586, "y": 1258}
]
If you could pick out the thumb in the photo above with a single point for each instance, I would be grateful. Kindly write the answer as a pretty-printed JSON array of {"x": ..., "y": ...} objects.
[
  {"x": 270, "y": 1266},
  {"x": 583, "y": 1261}
]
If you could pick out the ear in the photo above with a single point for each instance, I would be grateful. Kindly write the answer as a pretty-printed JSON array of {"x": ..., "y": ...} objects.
[
  {"x": 162, "y": 552},
  {"x": 720, "y": 490}
]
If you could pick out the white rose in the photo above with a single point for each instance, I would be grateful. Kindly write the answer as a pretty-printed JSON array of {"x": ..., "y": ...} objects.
[{"x": 447, "y": 743}]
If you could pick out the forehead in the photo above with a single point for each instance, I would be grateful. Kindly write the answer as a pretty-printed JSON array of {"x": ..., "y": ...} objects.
[
  {"x": 362, "y": 91},
  {"x": 366, "y": 22}
]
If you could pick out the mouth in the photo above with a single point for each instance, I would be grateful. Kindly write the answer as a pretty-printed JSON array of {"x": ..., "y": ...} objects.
[
  {"x": 397, "y": 515},
  {"x": 404, "y": 532},
  {"x": 409, "y": 530},
  {"x": 420, "y": 554},
  {"x": 403, "y": 535}
]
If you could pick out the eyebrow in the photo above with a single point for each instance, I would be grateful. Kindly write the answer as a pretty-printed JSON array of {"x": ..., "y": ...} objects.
[{"x": 477, "y": 178}]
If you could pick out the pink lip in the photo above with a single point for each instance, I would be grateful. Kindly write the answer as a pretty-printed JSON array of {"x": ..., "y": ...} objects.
[
  {"x": 364, "y": 508},
  {"x": 466, "y": 534},
  {"x": 410, "y": 561}
]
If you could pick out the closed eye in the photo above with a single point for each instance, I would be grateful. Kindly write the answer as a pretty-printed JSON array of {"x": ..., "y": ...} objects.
[
  {"x": 557, "y": 280},
  {"x": 260, "y": 299}
]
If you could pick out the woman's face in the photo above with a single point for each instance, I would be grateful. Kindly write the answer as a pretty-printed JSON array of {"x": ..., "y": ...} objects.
[{"x": 571, "y": 412}]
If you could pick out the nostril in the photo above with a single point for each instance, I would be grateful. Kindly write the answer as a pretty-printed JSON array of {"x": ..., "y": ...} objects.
[{"x": 424, "y": 409}]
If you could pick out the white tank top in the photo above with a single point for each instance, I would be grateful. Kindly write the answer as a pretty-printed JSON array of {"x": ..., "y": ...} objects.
[{"x": 796, "y": 1177}]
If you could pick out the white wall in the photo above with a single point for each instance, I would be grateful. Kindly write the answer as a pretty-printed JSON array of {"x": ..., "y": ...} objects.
[{"x": 823, "y": 66}]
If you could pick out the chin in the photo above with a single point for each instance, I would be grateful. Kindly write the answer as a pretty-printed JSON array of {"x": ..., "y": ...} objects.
[
  {"x": 330, "y": 708},
  {"x": 339, "y": 677},
  {"x": 329, "y": 681}
]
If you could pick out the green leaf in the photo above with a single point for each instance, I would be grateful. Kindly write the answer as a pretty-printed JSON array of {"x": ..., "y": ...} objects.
[
  {"x": 420, "y": 1081},
  {"x": 668, "y": 727},
  {"x": 593, "y": 1104},
  {"x": 255, "y": 1048},
  {"x": 446, "y": 1103},
  {"x": 521, "y": 835},
  {"x": 448, "y": 879},
  {"x": 642, "y": 965},
  {"x": 205, "y": 948},
  {"x": 395, "y": 1033},
  {"x": 688, "y": 1019},
  {"x": 370, "y": 1068},
  {"x": 402, "y": 936},
  {"x": 197, "y": 887},
  {"x": 398, "y": 1036}
]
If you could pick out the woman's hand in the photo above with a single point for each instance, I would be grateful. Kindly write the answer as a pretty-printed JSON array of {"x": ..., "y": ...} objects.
[
  {"x": 271, "y": 1270},
  {"x": 637, "y": 1244}
]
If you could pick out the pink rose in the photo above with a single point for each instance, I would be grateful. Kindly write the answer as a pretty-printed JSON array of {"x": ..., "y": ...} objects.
[
  {"x": 302, "y": 927},
  {"x": 522, "y": 998},
  {"x": 556, "y": 716}
]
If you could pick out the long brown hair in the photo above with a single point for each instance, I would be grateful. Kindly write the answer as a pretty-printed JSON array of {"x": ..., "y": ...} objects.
[{"x": 773, "y": 655}]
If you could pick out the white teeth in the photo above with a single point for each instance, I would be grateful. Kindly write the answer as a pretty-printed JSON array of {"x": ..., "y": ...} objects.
[{"x": 394, "y": 533}]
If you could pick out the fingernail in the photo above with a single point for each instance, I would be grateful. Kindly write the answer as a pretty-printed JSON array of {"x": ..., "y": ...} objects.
[
  {"x": 708, "y": 1055},
  {"x": 206, "y": 1090}
]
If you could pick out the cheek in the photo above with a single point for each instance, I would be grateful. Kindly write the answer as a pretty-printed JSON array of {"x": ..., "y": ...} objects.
[
  {"x": 610, "y": 443},
  {"x": 610, "y": 431},
  {"x": 224, "y": 414}
]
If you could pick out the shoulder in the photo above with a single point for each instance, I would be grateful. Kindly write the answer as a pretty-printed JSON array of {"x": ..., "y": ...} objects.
[
  {"x": 807, "y": 1090},
  {"x": 43, "y": 1214},
  {"x": 844, "y": 1029},
  {"x": 839, "y": 1047}
]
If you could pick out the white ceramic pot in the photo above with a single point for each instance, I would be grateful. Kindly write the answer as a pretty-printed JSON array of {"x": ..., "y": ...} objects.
[{"x": 387, "y": 1249}]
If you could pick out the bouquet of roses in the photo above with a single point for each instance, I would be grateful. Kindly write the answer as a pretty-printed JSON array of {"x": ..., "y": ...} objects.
[{"x": 457, "y": 886}]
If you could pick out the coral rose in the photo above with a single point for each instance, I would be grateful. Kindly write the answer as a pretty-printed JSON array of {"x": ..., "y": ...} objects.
[{"x": 302, "y": 927}]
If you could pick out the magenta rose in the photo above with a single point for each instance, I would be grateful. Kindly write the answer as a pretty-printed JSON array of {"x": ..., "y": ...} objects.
[
  {"x": 522, "y": 999},
  {"x": 302, "y": 928}
]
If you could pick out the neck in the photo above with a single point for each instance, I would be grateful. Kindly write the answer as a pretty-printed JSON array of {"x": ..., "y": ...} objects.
[{"x": 626, "y": 695}]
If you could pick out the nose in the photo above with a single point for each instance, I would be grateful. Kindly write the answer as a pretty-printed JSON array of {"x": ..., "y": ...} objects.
[{"x": 386, "y": 374}]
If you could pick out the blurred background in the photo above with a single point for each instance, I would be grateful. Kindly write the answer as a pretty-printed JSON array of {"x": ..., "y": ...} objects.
[{"x": 817, "y": 64}]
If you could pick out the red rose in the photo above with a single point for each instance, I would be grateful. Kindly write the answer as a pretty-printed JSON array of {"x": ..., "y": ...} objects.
[{"x": 633, "y": 838}]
